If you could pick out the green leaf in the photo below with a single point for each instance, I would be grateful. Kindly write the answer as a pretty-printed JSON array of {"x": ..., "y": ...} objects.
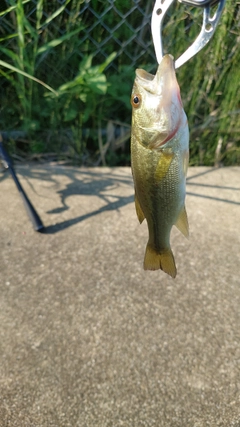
[
  {"x": 86, "y": 63},
  {"x": 56, "y": 42},
  {"x": 83, "y": 96},
  {"x": 87, "y": 112},
  {"x": 71, "y": 113},
  {"x": 17, "y": 70},
  {"x": 98, "y": 84},
  {"x": 73, "y": 86},
  {"x": 20, "y": 24},
  {"x": 10, "y": 54},
  {"x": 39, "y": 13},
  {"x": 9, "y": 9},
  {"x": 56, "y": 13},
  {"x": 108, "y": 61}
]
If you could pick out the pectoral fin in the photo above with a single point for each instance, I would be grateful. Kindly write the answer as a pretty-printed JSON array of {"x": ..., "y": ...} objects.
[
  {"x": 139, "y": 211},
  {"x": 182, "y": 223},
  {"x": 163, "y": 166}
]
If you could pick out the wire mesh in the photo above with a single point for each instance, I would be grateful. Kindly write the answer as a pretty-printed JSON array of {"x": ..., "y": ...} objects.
[
  {"x": 98, "y": 28},
  {"x": 123, "y": 27},
  {"x": 133, "y": 21}
]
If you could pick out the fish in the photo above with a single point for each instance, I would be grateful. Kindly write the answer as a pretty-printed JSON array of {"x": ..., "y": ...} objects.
[{"x": 159, "y": 161}]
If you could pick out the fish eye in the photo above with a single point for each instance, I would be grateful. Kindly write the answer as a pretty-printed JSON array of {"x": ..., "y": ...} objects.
[{"x": 136, "y": 100}]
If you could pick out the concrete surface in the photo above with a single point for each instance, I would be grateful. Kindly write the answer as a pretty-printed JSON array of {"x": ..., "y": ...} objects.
[{"x": 90, "y": 339}]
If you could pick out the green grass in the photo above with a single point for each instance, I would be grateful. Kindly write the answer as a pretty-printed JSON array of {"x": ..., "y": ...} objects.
[{"x": 60, "y": 94}]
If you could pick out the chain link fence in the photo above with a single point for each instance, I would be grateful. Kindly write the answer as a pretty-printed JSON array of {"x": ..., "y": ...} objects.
[
  {"x": 112, "y": 25},
  {"x": 56, "y": 36},
  {"x": 133, "y": 21},
  {"x": 108, "y": 26},
  {"x": 120, "y": 26}
]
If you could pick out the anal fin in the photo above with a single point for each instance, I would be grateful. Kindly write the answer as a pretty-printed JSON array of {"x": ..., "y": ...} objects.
[
  {"x": 139, "y": 210},
  {"x": 182, "y": 223}
]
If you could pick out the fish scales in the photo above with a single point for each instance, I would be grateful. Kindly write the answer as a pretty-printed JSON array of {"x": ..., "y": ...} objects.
[{"x": 159, "y": 158}]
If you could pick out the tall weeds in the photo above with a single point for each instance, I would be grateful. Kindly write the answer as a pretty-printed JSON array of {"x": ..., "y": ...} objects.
[
  {"x": 55, "y": 89},
  {"x": 210, "y": 85}
]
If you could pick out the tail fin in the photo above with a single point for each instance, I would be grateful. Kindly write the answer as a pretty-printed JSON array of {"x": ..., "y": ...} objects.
[{"x": 163, "y": 260}]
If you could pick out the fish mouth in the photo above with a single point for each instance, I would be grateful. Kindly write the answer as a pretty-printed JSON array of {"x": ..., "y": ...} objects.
[
  {"x": 143, "y": 75},
  {"x": 164, "y": 100},
  {"x": 164, "y": 77}
]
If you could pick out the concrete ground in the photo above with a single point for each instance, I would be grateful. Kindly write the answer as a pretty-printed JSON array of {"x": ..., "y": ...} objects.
[{"x": 90, "y": 339}]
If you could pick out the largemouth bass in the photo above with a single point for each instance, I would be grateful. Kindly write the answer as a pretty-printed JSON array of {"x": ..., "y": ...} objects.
[{"x": 159, "y": 158}]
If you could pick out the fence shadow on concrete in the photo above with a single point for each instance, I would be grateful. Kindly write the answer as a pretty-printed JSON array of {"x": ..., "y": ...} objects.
[
  {"x": 104, "y": 188},
  {"x": 221, "y": 188},
  {"x": 112, "y": 186}
]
